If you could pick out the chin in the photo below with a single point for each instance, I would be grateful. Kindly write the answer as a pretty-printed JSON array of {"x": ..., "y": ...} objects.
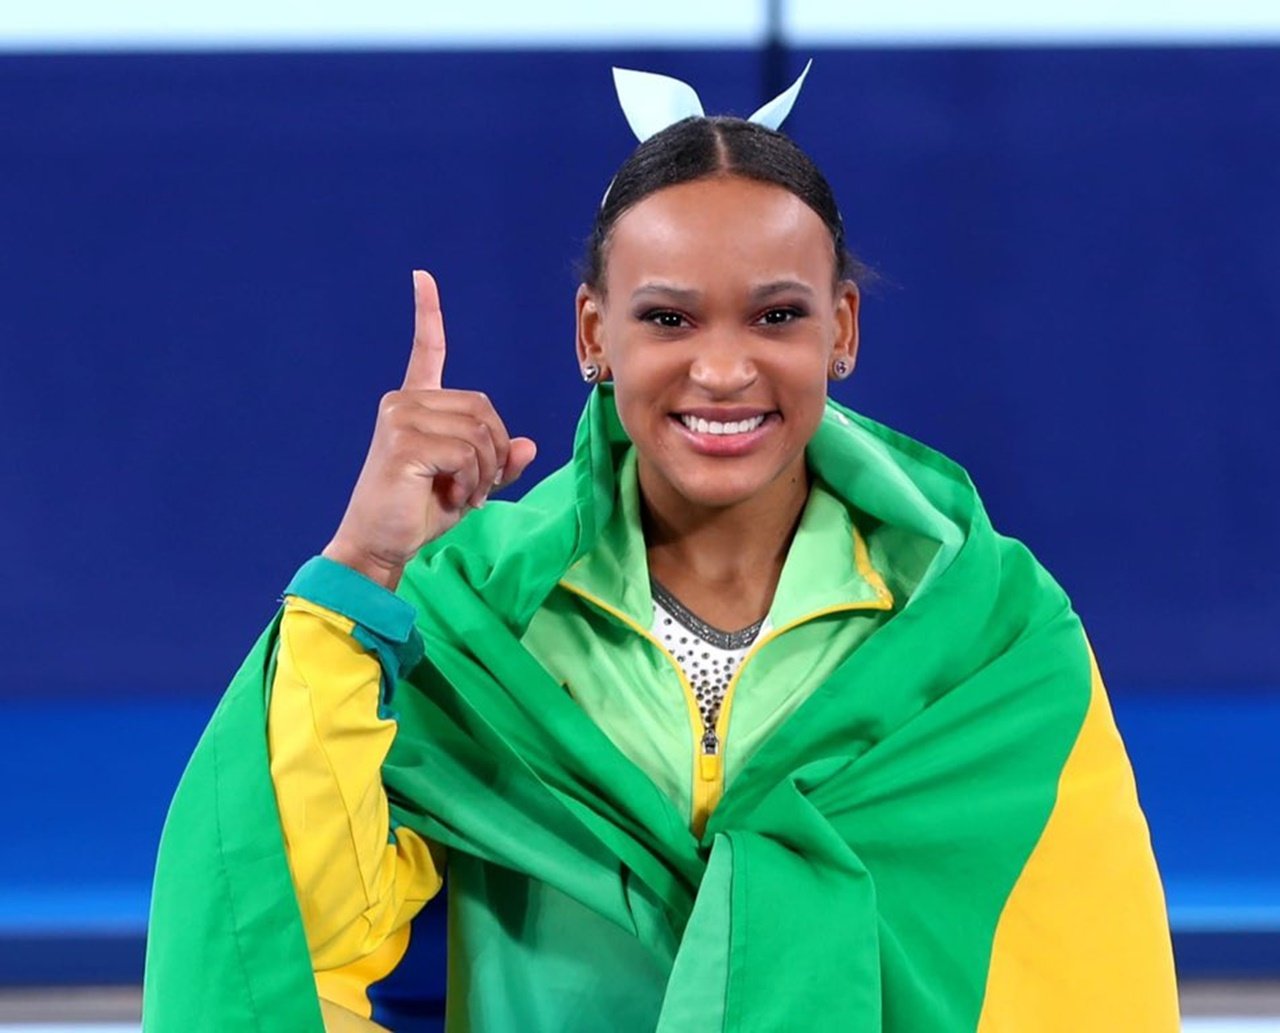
[{"x": 721, "y": 489}]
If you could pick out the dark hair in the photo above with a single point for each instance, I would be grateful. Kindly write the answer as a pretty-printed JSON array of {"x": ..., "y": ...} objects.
[{"x": 697, "y": 148}]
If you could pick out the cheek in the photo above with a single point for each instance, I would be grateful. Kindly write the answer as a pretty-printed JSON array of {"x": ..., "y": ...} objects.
[
  {"x": 801, "y": 374},
  {"x": 807, "y": 411},
  {"x": 634, "y": 400},
  {"x": 639, "y": 369},
  {"x": 643, "y": 419}
]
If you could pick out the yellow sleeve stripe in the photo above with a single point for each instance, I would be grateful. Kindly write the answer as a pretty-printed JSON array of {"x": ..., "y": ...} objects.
[
  {"x": 358, "y": 887},
  {"x": 1083, "y": 940}
]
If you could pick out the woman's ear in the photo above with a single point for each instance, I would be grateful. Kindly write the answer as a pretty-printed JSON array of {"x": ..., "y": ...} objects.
[
  {"x": 590, "y": 332},
  {"x": 844, "y": 349}
]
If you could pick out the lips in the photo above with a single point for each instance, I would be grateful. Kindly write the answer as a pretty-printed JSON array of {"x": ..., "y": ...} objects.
[{"x": 724, "y": 432}]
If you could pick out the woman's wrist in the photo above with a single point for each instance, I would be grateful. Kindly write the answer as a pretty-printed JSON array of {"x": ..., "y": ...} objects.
[{"x": 378, "y": 571}]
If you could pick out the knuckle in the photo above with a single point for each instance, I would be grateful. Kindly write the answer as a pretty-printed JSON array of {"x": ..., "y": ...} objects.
[
  {"x": 397, "y": 405},
  {"x": 462, "y": 452},
  {"x": 404, "y": 442}
]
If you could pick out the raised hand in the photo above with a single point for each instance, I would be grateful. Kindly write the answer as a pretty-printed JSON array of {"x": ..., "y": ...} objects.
[{"x": 435, "y": 454}]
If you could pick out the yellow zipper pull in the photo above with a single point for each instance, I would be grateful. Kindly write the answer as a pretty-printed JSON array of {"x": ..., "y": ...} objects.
[{"x": 709, "y": 759}]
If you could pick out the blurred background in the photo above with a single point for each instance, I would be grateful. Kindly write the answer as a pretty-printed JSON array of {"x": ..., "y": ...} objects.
[{"x": 208, "y": 218}]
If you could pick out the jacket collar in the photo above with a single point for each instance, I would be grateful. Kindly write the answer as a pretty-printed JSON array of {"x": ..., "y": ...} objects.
[{"x": 828, "y": 565}]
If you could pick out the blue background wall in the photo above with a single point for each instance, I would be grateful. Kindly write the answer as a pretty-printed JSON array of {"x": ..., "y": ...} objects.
[{"x": 204, "y": 290}]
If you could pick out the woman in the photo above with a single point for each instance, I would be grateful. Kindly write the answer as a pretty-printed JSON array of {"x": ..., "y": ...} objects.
[{"x": 745, "y": 719}]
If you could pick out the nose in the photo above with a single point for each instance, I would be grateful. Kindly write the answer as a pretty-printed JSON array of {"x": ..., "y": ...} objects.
[{"x": 722, "y": 364}]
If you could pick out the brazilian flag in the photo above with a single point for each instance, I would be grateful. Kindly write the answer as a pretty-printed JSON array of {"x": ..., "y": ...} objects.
[{"x": 945, "y": 836}]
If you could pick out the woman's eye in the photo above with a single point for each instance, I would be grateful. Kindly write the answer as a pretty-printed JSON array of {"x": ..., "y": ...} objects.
[
  {"x": 664, "y": 318},
  {"x": 779, "y": 316}
]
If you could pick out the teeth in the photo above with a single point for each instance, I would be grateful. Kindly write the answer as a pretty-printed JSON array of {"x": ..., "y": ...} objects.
[{"x": 701, "y": 426}]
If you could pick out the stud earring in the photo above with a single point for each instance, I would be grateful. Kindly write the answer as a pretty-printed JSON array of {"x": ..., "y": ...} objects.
[
  {"x": 590, "y": 372},
  {"x": 841, "y": 368}
]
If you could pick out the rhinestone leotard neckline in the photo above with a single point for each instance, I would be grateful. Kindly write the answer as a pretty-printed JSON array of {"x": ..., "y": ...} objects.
[{"x": 708, "y": 656}]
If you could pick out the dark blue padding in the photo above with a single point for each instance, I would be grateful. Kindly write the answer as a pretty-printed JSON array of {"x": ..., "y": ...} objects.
[
  {"x": 70, "y": 959},
  {"x": 411, "y": 999},
  {"x": 1205, "y": 764}
]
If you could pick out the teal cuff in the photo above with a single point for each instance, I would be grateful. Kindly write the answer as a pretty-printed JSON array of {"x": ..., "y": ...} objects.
[{"x": 386, "y": 625}]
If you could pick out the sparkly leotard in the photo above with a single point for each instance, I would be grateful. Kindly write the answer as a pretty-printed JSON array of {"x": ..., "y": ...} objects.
[{"x": 708, "y": 656}]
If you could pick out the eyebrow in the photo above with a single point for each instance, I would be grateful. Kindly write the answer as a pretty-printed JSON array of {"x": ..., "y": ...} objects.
[
  {"x": 682, "y": 294},
  {"x": 688, "y": 295},
  {"x": 768, "y": 290}
]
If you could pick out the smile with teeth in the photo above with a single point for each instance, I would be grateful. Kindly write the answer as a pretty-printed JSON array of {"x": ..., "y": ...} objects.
[{"x": 701, "y": 426}]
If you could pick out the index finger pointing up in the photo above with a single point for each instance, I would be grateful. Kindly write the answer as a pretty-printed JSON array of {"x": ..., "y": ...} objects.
[{"x": 426, "y": 360}]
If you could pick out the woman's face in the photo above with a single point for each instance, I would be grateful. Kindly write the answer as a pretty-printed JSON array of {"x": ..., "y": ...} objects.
[{"x": 718, "y": 324}]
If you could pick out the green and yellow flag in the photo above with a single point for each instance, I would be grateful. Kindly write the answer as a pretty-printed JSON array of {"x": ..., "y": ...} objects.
[{"x": 945, "y": 836}]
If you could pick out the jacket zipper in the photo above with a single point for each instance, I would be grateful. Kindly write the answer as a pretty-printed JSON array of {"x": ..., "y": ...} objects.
[
  {"x": 708, "y": 765},
  {"x": 706, "y": 740}
]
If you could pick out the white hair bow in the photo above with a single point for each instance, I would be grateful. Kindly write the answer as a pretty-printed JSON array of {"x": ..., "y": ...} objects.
[{"x": 652, "y": 102}]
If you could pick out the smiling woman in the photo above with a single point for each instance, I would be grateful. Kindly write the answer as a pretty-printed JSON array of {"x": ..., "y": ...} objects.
[
  {"x": 720, "y": 316},
  {"x": 745, "y": 716}
]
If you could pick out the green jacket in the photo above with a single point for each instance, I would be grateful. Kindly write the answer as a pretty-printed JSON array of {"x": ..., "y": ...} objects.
[{"x": 861, "y": 870}]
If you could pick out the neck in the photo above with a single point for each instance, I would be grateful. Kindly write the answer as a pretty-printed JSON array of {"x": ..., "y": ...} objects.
[{"x": 722, "y": 562}]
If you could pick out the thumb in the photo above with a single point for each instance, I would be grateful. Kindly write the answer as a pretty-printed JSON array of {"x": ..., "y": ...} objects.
[{"x": 519, "y": 456}]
